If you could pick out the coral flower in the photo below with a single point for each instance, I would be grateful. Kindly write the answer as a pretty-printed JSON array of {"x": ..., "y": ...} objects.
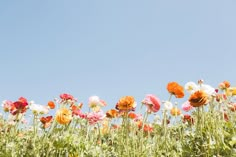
[
  {"x": 175, "y": 111},
  {"x": 19, "y": 106},
  {"x": 175, "y": 89},
  {"x": 66, "y": 97},
  {"x": 51, "y": 104},
  {"x": 126, "y": 103},
  {"x": 152, "y": 103},
  {"x": 46, "y": 121},
  {"x": 63, "y": 116},
  {"x": 198, "y": 99},
  {"x": 188, "y": 118},
  {"x": 224, "y": 85},
  {"x": 112, "y": 113}
]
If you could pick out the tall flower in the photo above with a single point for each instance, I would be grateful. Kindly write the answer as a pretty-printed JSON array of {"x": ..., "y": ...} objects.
[
  {"x": 67, "y": 99},
  {"x": 231, "y": 91},
  {"x": 175, "y": 89},
  {"x": 112, "y": 113},
  {"x": 7, "y": 105},
  {"x": 51, "y": 105},
  {"x": 19, "y": 106},
  {"x": 126, "y": 103},
  {"x": 63, "y": 116},
  {"x": 152, "y": 103},
  {"x": 38, "y": 109},
  {"x": 46, "y": 121},
  {"x": 95, "y": 117},
  {"x": 191, "y": 87},
  {"x": 95, "y": 103},
  {"x": 198, "y": 99},
  {"x": 175, "y": 111},
  {"x": 224, "y": 85}
]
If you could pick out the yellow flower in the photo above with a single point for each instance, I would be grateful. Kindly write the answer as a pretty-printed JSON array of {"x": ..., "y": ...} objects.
[
  {"x": 231, "y": 91},
  {"x": 63, "y": 116}
]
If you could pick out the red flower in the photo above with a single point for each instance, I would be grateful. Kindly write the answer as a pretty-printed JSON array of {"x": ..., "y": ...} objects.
[
  {"x": 46, "y": 121},
  {"x": 66, "y": 97},
  {"x": 188, "y": 118},
  {"x": 19, "y": 106}
]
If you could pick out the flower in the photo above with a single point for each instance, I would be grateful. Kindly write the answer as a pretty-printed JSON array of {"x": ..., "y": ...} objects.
[
  {"x": 19, "y": 106},
  {"x": 152, "y": 103},
  {"x": 95, "y": 103},
  {"x": 126, "y": 103},
  {"x": 210, "y": 91},
  {"x": 198, "y": 99},
  {"x": 175, "y": 111},
  {"x": 66, "y": 97},
  {"x": 51, "y": 104},
  {"x": 38, "y": 109},
  {"x": 112, "y": 113},
  {"x": 46, "y": 121},
  {"x": 95, "y": 117},
  {"x": 168, "y": 105},
  {"x": 232, "y": 107},
  {"x": 175, "y": 89},
  {"x": 7, "y": 105},
  {"x": 186, "y": 106},
  {"x": 63, "y": 116},
  {"x": 231, "y": 91},
  {"x": 187, "y": 118},
  {"x": 191, "y": 87},
  {"x": 224, "y": 85}
]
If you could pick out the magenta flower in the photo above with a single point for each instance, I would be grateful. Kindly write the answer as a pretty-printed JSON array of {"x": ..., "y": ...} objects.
[
  {"x": 186, "y": 106},
  {"x": 95, "y": 117},
  {"x": 152, "y": 103}
]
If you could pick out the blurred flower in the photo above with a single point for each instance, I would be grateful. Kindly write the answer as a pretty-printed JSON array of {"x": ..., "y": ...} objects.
[
  {"x": 152, "y": 103},
  {"x": 191, "y": 87},
  {"x": 46, "y": 121},
  {"x": 67, "y": 99},
  {"x": 175, "y": 111},
  {"x": 38, "y": 109},
  {"x": 126, "y": 103},
  {"x": 186, "y": 106},
  {"x": 95, "y": 103},
  {"x": 220, "y": 97},
  {"x": 231, "y": 91},
  {"x": 187, "y": 118},
  {"x": 7, "y": 105},
  {"x": 224, "y": 85},
  {"x": 112, "y": 113},
  {"x": 76, "y": 110},
  {"x": 175, "y": 89},
  {"x": 232, "y": 107},
  {"x": 19, "y": 106},
  {"x": 135, "y": 117},
  {"x": 95, "y": 117},
  {"x": 168, "y": 105},
  {"x": 198, "y": 99},
  {"x": 51, "y": 104},
  {"x": 63, "y": 116},
  {"x": 210, "y": 91}
]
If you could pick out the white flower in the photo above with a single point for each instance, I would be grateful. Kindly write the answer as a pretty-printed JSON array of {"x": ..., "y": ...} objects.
[
  {"x": 191, "y": 87},
  {"x": 93, "y": 101},
  {"x": 168, "y": 105},
  {"x": 38, "y": 109},
  {"x": 208, "y": 89}
]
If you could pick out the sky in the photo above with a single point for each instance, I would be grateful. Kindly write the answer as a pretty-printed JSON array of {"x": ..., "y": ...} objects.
[{"x": 113, "y": 48}]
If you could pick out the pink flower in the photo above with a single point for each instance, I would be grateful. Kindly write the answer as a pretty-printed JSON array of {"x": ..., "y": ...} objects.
[
  {"x": 152, "y": 103},
  {"x": 66, "y": 97},
  {"x": 186, "y": 106},
  {"x": 95, "y": 117},
  {"x": 7, "y": 105}
]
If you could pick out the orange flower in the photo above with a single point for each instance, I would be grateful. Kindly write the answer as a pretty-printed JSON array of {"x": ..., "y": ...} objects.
[
  {"x": 51, "y": 104},
  {"x": 198, "y": 99},
  {"x": 63, "y": 116},
  {"x": 132, "y": 115},
  {"x": 175, "y": 89},
  {"x": 224, "y": 85},
  {"x": 46, "y": 121},
  {"x": 126, "y": 103},
  {"x": 175, "y": 111},
  {"x": 112, "y": 113}
]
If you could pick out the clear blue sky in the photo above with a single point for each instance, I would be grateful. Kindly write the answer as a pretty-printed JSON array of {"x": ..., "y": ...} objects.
[{"x": 113, "y": 48}]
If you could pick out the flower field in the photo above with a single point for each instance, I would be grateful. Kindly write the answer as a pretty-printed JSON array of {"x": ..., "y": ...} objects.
[{"x": 203, "y": 126}]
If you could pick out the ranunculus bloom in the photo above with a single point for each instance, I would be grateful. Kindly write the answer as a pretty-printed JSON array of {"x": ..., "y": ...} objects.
[
  {"x": 19, "y": 106},
  {"x": 51, "y": 104},
  {"x": 95, "y": 103},
  {"x": 152, "y": 103},
  {"x": 191, "y": 87},
  {"x": 223, "y": 85},
  {"x": 231, "y": 91},
  {"x": 112, "y": 113},
  {"x": 66, "y": 97},
  {"x": 186, "y": 106},
  {"x": 175, "y": 89},
  {"x": 188, "y": 118},
  {"x": 210, "y": 91},
  {"x": 7, "y": 105},
  {"x": 63, "y": 116},
  {"x": 232, "y": 107},
  {"x": 198, "y": 99},
  {"x": 46, "y": 121},
  {"x": 126, "y": 103},
  {"x": 38, "y": 109},
  {"x": 175, "y": 111},
  {"x": 95, "y": 117}
]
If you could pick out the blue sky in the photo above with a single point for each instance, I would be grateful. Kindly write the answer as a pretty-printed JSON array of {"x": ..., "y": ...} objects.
[{"x": 113, "y": 48}]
